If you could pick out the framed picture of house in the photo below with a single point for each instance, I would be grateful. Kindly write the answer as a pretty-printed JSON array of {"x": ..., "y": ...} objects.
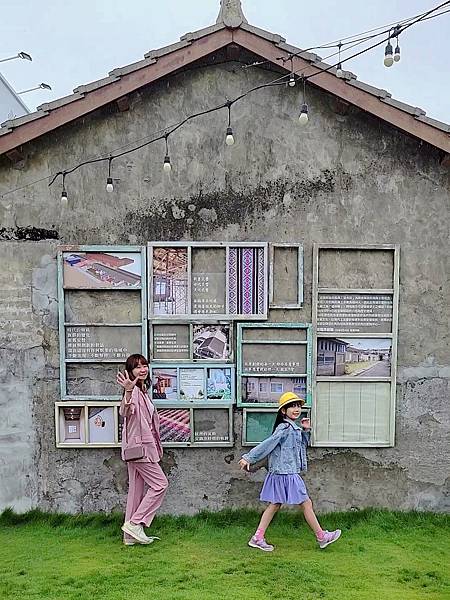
[{"x": 273, "y": 358}]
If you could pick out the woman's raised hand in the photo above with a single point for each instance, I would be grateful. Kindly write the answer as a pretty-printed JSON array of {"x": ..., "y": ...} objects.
[{"x": 124, "y": 380}]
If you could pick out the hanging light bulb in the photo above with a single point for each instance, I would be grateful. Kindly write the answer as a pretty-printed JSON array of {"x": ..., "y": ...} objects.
[
  {"x": 397, "y": 52},
  {"x": 388, "y": 58},
  {"x": 109, "y": 181},
  {"x": 229, "y": 140},
  {"x": 292, "y": 80},
  {"x": 167, "y": 166},
  {"x": 303, "y": 118},
  {"x": 64, "y": 199},
  {"x": 339, "y": 72}
]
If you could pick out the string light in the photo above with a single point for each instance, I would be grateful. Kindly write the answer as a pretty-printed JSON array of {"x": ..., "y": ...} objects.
[
  {"x": 388, "y": 57},
  {"x": 167, "y": 166},
  {"x": 229, "y": 140},
  {"x": 109, "y": 181},
  {"x": 64, "y": 199},
  {"x": 292, "y": 75},
  {"x": 339, "y": 71},
  {"x": 303, "y": 118}
]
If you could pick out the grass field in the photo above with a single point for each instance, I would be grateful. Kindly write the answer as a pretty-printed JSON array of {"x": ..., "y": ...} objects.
[{"x": 381, "y": 555}]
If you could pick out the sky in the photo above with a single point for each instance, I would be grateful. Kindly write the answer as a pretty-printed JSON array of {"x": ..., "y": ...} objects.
[{"x": 74, "y": 42}]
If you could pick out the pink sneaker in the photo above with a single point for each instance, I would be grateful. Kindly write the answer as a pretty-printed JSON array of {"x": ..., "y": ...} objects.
[
  {"x": 329, "y": 537},
  {"x": 261, "y": 544}
]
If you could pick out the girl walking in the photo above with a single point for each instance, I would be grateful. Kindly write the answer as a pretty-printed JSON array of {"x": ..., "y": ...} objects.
[
  {"x": 286, "y": 449},
  {"x": 141, "y": 450}
]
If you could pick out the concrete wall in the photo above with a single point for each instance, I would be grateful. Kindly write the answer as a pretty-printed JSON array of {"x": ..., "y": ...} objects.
[{"x": 340, "y": 179}]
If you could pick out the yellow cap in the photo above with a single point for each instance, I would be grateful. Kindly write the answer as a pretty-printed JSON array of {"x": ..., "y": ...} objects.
[{"x": 287, "y": 398}]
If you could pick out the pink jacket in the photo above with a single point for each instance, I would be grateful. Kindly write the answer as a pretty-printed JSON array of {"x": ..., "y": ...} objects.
[{"x": 141, "y": 417}]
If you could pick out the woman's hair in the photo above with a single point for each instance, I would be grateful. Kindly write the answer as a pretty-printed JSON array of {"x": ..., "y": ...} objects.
[{"x": 133, "y": 361}]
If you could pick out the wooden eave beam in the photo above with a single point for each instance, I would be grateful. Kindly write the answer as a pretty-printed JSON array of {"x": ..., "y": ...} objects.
[{"x": 127, "y": 84}]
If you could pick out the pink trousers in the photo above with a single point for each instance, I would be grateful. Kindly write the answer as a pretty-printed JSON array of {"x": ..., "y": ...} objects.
[{"x": 141, "y": 508}]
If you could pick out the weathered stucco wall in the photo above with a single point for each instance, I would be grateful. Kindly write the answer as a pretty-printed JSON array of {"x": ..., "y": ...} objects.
[{"x": 343, "y": 179}]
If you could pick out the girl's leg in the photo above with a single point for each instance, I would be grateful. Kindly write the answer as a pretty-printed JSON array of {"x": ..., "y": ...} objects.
[
  {"x": 135, "y": 495},
  {"x": 266, "y": 519},
  {"x": 310, "y": 516},
  {"x": 324, "y": 538}
]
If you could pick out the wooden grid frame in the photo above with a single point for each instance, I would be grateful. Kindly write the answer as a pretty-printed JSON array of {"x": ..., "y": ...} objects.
[
  {"x": 190, "y": 325},
  {"x": 300, "y": 272},
  {"x": 189, "y": 316},
  {"x": 242, "y": 373},
  {"x": 393, "y": 335},
  {"x": 85, "y": 405},
  {"x": 62, "y": 324},
  {"x": 205, "y": 403},
  {"x": 247, "y": 411}
]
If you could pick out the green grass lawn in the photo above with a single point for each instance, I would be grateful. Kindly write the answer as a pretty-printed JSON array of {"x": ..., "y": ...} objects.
[{"x": 381, "y": 555}]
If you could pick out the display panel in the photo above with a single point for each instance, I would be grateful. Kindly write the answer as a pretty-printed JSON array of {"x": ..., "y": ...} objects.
[
  {"x": 71, "y": 424},
  {"x": 193, "y": 383},
  {"x": 164, "y": 384},
  {"x": 211, "y": 425},
  {"x": 261, "y": 358},
  {"x": 354, "y": 313},
  {"x": 102, "y": 306},
  {"x": 102, "y": 343},
  {"x": 92, "y": 380},
  {"x": 170, "y": 342},
  {"x": 209, "y": 281},
  {"x": 219, "y": 384},
  {"x": 286, "y": 275},
  {"x": 356, "y": 268},
  {"x": 91, "y": 270}
]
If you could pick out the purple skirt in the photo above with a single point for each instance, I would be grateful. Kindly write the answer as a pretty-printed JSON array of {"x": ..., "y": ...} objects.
[{"x": 284, "y": 489}]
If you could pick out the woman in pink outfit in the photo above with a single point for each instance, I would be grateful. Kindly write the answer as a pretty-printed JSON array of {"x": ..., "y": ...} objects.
[{"x": 142, "y": 451}]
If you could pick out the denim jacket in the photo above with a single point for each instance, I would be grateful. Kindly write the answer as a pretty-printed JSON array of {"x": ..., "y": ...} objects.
[{"x": 286, "y": 448}]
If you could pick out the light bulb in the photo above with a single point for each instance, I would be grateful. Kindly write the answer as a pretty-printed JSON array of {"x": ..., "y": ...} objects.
[
  {"x": 339, "y": 71},
  {"x": 397, "y": 53},
  {"x": 303, "y": 118},
  {"x": 291, "y": 80},
  {"x": 388, "y": 58},
  {"x": 64, "y": 199},
  {"x": 109, "y": 185},
  {"x": 167, "y": 166},
  {"x": 229, "y": 140}
]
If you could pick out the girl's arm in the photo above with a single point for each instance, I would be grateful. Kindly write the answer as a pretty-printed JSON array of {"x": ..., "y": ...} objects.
[
  {"x": 129, "y": 394},
  {"x": 265, "y": 448},
  {"x": 127, "y": 406}
]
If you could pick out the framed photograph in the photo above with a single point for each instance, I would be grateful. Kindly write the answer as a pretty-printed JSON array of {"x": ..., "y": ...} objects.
[
  {"x": 175, "y": 425},
  {"x": 71, "y": 424},
  {"x": 219, "y": 384},
  {"x": 355, "y": 358},
  {"x": 211, "y": 342},
  {"x": 269, "y": 389},
  {"x": 101, "y": 425},
  {"x": 169, "y": 279},
  {"x": 102, "y": 270},
  {"x": 164, "y": 384}
]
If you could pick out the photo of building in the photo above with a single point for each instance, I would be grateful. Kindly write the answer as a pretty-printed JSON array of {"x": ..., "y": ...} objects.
[
  {"x": 354, "y": 357},
  {"x": 102, "y": 270},
  {"x": 170, "y": 281}
]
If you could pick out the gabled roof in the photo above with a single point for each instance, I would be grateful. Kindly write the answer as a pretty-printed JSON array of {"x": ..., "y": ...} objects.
[{"x": 231, "y": 28}]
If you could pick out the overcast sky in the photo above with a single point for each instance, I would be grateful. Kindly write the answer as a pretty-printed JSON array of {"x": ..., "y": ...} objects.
[{"x": 73, "y": 42}]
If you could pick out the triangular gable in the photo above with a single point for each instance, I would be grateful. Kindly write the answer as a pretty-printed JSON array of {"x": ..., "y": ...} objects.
[{"x": 198, "y": 45}]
